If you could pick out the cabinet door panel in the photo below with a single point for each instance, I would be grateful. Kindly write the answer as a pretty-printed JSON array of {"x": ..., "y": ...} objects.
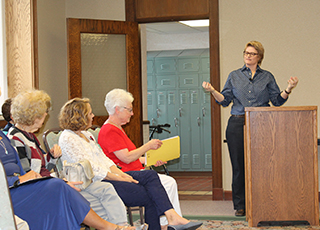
[
  {"x": 166, "y": 82},
  {"x": 173, "y": 120},
  {"x": 206, "y": 129},
  {"x": 185, "y": 129},
  {"x": 195, "y": 128},
  {"x": 151, "y": 99},
  {"x": 161, "y": 112},
  {"x": 188, "y": 65},
  {"x": 165, "y": 65},
  {"x": 205, "y": 65},
  {"x": 188, "y": 81},
  {"x": 150, "y": 66}
]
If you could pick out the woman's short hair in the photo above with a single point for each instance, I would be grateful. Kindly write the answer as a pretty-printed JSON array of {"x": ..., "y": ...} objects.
[
  {"x": 27, "y": 106},
  {"x": 258, "y": 46},
  {"x": 74, "y": 114},
  {"x": 5, "y": 109},
  {"x": 117, "y": 97}
]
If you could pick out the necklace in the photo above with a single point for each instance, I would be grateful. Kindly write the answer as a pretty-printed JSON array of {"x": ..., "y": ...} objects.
[
  {"x": 3, "y": 146},
  {"x": 119, "y": 127}
]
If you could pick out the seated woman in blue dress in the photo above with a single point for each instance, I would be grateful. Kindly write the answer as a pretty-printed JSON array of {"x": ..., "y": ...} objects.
[{"x": 136, "y": 188}]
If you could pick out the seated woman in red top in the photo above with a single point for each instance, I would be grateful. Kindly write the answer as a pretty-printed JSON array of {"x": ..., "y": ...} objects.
[{"x": 120, "y": 149}]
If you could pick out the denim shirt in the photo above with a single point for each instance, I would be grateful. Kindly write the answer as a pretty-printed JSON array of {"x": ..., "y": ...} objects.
[{"x": 244, "y": 92}]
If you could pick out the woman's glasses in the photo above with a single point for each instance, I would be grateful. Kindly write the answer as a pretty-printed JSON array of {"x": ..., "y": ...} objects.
[
  {"x": 249, "y": 54},
  {"x": 128, "y": 109}
]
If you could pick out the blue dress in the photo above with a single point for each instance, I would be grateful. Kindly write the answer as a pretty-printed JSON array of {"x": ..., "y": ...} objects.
[{"x": 44, "y": 204}]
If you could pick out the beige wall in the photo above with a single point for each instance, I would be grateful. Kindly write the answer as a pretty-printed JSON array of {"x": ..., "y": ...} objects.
[
  {"x": 288, "y": 30},
  {"x": 52, "y": 45},
  {"x": 52, "y": 35}
]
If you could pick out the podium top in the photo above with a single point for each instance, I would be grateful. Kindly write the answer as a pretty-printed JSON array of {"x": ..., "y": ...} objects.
[{"x": 282, "y": 108}]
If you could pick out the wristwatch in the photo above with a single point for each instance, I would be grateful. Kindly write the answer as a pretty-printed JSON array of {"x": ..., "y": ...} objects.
[{"x": 286, "y": 92}]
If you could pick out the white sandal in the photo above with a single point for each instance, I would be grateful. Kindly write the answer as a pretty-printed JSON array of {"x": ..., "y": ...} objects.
[{"x": 142, "y": 227}]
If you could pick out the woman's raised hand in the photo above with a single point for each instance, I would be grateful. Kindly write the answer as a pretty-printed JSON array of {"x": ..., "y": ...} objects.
[
  {"x": 207, "y": 86},
  {"x": 292, "y": 82}
]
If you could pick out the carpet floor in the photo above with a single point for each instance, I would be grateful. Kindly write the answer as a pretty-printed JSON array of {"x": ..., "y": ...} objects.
[
  {"x": 218, "y": 224},
  {"x": 230, "y": 223}
]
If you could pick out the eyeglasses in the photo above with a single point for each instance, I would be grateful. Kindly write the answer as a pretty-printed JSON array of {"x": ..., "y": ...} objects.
[
  {"x": 249, "y": 54},
  {"x": 128, "y": 109}
]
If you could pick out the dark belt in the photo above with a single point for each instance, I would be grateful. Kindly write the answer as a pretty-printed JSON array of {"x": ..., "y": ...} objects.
[{"x": 238, "y": 115}]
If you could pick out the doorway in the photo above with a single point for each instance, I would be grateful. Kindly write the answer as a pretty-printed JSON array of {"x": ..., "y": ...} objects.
[{"x": 176, "y": 57}]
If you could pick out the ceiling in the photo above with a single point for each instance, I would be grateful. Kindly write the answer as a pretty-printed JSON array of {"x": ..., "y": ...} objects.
[{"x": 173, "y": 28}]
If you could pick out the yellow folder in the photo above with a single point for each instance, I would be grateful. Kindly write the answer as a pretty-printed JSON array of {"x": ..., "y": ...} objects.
[{"x": 169, "y": 150}]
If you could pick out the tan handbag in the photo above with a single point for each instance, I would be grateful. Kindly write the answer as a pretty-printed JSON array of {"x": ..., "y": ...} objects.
[{"x": 79, "y": 171}]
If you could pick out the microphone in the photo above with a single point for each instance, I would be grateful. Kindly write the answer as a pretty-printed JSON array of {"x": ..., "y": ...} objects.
[{"x": 167, "y": 125}]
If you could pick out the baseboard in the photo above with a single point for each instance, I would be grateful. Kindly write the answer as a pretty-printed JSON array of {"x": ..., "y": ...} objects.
[
  {"x": 194, "y": 197},
  {"x": 227, "y": 195},
  {"x": 193, "y": 174},
  {"x": 217, "y": 193}
]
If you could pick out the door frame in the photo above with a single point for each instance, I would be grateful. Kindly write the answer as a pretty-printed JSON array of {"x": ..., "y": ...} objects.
[
  {"x": 149, "y": 11},
  {"x": 77, "y": 26}
]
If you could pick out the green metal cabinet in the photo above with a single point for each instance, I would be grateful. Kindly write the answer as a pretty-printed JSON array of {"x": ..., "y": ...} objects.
[{"x": 176, "y": 97}]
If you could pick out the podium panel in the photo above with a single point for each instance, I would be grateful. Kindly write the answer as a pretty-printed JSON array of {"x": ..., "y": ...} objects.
[{"x": 281, "y": 163}]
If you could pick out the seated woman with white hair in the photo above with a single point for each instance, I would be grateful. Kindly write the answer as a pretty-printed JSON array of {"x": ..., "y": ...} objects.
[{"x": 120, "y": 149}]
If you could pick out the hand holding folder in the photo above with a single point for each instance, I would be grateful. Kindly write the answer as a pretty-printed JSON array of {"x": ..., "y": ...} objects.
[{"x": 169, "y": 150}]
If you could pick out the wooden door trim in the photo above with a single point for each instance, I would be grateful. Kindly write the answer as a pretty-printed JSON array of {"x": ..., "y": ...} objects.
[
  {"x": 211, "y": 13},
  {"x": 77, "y": 26}
]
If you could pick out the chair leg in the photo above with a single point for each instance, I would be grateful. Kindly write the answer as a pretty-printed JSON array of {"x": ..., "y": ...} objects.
[
  {"x": 129, "y": 211},
  {"x": 141, "y": 215}
]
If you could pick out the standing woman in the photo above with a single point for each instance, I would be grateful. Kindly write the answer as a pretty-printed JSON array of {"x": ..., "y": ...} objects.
[{"x": 249, "y": 86}]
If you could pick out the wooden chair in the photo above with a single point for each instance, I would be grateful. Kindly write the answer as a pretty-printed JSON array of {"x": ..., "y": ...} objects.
[{"x": 51, "y": 137}]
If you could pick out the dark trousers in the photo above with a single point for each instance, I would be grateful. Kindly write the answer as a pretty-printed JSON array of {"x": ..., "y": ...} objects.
[
  {"x": 235, "y": 141},
  {"x": 148, "y": 193}
]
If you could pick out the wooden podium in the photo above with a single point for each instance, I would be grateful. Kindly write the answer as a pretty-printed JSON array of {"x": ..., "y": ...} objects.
[{"x": 281, "y": 161}]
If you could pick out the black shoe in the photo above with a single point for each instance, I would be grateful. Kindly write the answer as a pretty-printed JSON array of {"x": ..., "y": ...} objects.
[{"x": 240, "y": 212}]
